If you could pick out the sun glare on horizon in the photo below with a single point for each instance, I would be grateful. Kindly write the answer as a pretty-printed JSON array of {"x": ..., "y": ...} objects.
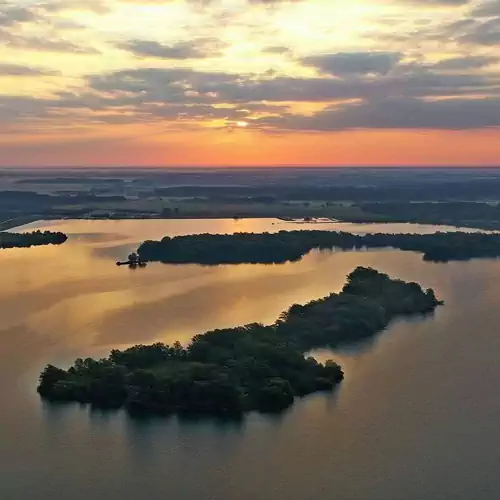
[{"x": 77, "y": 77}]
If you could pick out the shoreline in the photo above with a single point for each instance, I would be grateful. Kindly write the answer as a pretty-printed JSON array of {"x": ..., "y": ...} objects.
[{"x": 15, "y": 223}]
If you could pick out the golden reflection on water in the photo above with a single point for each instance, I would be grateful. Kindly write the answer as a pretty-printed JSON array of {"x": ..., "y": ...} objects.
[
  {"x": 420, "y": 394},
  {"x": 74, "y": 295}
]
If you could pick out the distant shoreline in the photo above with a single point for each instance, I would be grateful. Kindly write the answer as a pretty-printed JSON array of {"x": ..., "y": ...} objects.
[{"x": 13, "y": 224}]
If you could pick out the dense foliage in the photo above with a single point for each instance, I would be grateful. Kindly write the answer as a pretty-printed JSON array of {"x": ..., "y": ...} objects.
[
  {"x": 292, "y": 245},
  {"x": 470, "y": 214},
  {"x": 233, "y": 370},
  {"x": 14, "y": 240},
  {"x": 393, "y": 187}
]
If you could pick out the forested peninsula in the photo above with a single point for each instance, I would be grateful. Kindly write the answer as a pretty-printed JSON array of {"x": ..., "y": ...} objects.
[
  {"x": 35, "y": 238},
  {"x": 285, "y": 246},
  {"x": 234, "y": 370}
]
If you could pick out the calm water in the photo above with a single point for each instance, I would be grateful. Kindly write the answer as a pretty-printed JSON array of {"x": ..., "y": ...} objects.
[{"x": 416, "y": 418}]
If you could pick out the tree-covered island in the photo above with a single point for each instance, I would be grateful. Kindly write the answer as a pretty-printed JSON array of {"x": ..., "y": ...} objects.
[
  {"x": 234, "y": 370},
  {"x": 285, "y": 246},
  {"x": 35, "y": 238}
]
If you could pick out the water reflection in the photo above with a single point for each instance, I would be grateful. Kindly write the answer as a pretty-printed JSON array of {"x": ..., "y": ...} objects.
[
  {"x": 416, "y": 416},
  {"x": 140, "y": 229}
]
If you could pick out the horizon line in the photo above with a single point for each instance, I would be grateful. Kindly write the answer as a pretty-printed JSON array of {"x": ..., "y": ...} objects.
[{"x": 237, "y": 167}]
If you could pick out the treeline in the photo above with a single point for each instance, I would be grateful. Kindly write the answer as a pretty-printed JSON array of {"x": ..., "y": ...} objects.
[
  {"x": 470, "y": 189},
  {"x": 19, "y": 203},
  {"x": 284, "y": 246},
  {"x": 254, "y": 367},
  {"x": 485, "y": 215},
  {"x": 35, "y": 238}
]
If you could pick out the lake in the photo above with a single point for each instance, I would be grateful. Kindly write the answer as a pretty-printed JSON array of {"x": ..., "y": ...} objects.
[{"x": 416, "y": 417}]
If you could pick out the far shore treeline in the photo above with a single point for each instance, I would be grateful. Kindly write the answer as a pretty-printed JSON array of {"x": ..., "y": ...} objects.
[
  {"x": 234, "y": 370},
  {"x": 35, "y": 238},
  {"x": 285, "y": 246}
]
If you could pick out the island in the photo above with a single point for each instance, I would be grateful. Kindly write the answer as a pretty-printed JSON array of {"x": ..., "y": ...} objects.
[
  {"x": 235, "y": 370},
  {"x": 35, "y": 238},
  {"x": 287, "y": 246}
]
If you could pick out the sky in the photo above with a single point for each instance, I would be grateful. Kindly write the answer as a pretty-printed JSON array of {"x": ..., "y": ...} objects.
[{"x": 249, "y": 82}]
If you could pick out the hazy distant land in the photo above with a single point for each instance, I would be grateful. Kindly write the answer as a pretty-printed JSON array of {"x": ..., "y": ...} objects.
[{"x": 462, "y": 197}]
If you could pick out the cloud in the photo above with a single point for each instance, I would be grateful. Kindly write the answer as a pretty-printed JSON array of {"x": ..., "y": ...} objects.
[
  {"x": 187, "y": 85},
  {"x": 487, "y": 9},
  {"x": 479, "y": 26},
  {"x": 40, "y": 43},
  {"x": 41, "y": 15},
  {"x": 441, "y": 3},
  {"x": 7, "y": 69},
  {"x": 273, "y": 2},
  {"x": 97, "y": 6},
  {"x": 356, "y": 88},
  {"x": 354, "y": 63},
  {"x": 483, "y": 33},
  {"x": 183, "y": 96},
  {"x": 194, "y": 49},
  {"x": 163, "y": 84},
  {"x": 394, "y": 113},
  {"x": 465, "y": 62},
  {"x": 15, "y": 108},
  {"x": 183, "y": 93},
  {"x": 276, "y": 49},
  {"x": 69, "y": 109},
  {"x": 11, "y": 15}
]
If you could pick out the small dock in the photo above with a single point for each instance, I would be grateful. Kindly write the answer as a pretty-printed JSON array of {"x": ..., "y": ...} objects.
[{"x": 133, "y": 261}]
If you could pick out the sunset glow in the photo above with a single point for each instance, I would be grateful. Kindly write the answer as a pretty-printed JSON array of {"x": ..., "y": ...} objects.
[{"x": 234, "y": 82}]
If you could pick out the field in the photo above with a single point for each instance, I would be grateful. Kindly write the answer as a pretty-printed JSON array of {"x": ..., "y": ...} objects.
[
  {"x": 467, "y": 197},
  {"x": 186, "y": 208}
]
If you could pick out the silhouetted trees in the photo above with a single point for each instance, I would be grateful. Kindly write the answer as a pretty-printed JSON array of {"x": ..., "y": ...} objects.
[
  {"x": 470, "y": 214},
  {"x": 35, "y": 238},
  {"x": 384, "y": 188},
  {"x": 253, "y": 367},
  {"x": 266, "y": 248}
]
